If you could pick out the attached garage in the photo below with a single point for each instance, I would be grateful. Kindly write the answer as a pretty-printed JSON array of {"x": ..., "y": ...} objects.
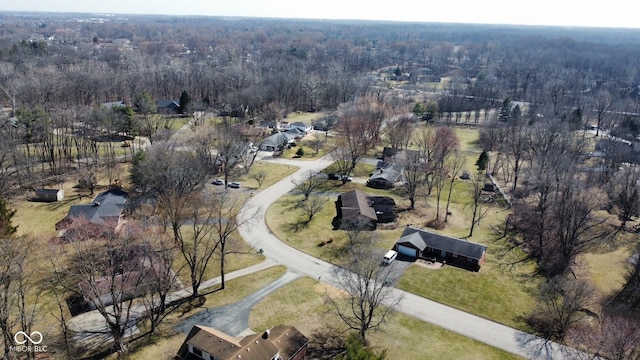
[
  {"x": 405, "y": 250},
  {"x": 418, "y": 243}
]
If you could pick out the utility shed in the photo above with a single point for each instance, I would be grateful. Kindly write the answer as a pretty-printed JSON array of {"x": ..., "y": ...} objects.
[{"x": 49, "y": 195}]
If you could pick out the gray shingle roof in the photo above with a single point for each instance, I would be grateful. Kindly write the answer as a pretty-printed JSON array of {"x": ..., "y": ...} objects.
[
  {"x": 421, "y": 239},
  {"x": 105, "y": 208}
]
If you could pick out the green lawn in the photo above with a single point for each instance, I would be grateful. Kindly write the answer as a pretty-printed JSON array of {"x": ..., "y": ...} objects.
[
  {"x": 303, "y": 304},
  {"x": 505, "y": 296},
  {"x": 498, "y": 292},
  {"x": 309, "y": 151}
]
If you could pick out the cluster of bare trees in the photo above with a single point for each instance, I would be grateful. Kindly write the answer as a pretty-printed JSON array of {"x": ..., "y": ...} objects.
[
  {"x": 561, "y": 197},
  {"x": 128, "y": 276},
  {"x": 359, "y": 128},
  {"x": 17, "y": 284}
]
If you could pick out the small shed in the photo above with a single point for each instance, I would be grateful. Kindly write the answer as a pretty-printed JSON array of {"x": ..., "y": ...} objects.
[{"x": 50, "y": 195}]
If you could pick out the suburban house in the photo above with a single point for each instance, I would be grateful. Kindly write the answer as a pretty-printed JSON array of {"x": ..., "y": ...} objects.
[
  {"x": 133, "y": 271},
  {"x": 623, "y": 150},
  {"x": 386, "y": 177},
  {"x": 386, "y": 153},
  {"x": 421, "y": 244},
  {"x": 357, "y": 208},
  {"x": 295, "y": 133},
  {"x": 304, "y": 128},
  {"x": 105, "y": 210},
  {"x": 168, "y": 106},
  {"x": 275, "y": 142},
  {"x": 390, "y": 170},
  {"x": 278, "y": 343},
  {"x": 49, "y": 195},
  {"x": 111, "y": 105}
]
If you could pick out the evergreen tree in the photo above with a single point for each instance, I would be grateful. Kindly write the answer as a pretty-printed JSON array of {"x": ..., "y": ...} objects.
[
  {"x": 355, "y": 350},
  {"x": 6, "y": 214},
  {"x": 504, "y": 114},
  {"x": 185, "y": 103},
  {"x": 483, "y": 161}
]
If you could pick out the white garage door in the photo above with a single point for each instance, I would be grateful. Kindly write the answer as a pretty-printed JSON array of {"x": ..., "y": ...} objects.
[{"x": 405, "y": 250}]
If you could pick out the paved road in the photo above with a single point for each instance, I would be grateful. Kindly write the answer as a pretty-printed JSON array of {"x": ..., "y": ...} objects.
[{"x": 503, "y": 337}]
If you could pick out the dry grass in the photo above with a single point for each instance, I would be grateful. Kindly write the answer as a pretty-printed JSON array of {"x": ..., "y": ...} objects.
[
  {"x": 273, "y": 172},
  {"x": 305, "y": 117},
  {"x": 303, "y": 304},
  {"x": 607, "y": 270},
  {"x": 166, "y": 343},
  {"x": 499, "y": 292}
]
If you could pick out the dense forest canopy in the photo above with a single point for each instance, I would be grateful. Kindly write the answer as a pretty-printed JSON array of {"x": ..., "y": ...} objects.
[{"x": 244, "y": 65}]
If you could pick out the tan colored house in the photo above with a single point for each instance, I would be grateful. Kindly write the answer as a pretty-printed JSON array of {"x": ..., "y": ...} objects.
[{"x": 277, "y": 343}]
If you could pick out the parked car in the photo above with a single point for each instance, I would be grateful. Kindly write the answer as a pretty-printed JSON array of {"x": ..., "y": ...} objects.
[
  {"x": 235, "y": 185},
  {"x": 218, "y": 182},
  {"x": 389, "y": 257}
]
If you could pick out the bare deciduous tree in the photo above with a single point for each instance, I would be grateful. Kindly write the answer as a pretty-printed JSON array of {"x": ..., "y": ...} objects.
[
  {"x": 259, "y": 177},
  {"x": 228, "y": 214},
  {"x": 311, "y": 183},
  {"x": 481, "y": 204},
  {"x": 563, "y": 305},
  {"x": 399, "y": 132},
  {"x": 369, "y": 289},
  {"x": 310, "y": 208},
  {"x": 615, "y": 337},
  {"x": 108, "y": 274},
  {"x": 16, "y": 285}
]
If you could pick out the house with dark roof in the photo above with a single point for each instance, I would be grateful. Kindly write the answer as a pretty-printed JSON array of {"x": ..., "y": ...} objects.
[
  {"x": 134, "y": 271},
  {"x": 420, "y": 244},
  {"x": 355, "y": 208},
  {"x": 386, "y": 177},
  {"x": 279, "y": 342},
  {"x": 168, "y": 106},
  {"x": 105, "y": 210}
]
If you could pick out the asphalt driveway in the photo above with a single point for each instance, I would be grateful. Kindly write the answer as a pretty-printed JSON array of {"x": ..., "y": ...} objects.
[{"x": 233, "y": 319}]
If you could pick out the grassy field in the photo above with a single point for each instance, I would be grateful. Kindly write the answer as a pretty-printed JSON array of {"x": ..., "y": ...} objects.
[
  {"x": 309, "y": 151},
  {"x": 273, "y": 174},
  {"x": 303, "y": 304},
  {"x": 498, "y": 292}
]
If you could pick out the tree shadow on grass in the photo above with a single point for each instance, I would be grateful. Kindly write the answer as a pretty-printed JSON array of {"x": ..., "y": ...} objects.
[
  {"x": 326, "y": 343},
  {"x": 297, "y": 226}
]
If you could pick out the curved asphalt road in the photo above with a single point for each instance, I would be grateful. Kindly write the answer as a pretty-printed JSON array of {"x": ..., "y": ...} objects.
[{"x": 256, "y": 233}]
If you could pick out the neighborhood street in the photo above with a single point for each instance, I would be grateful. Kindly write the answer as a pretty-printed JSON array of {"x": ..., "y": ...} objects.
[{"x": 257, "y": 233}]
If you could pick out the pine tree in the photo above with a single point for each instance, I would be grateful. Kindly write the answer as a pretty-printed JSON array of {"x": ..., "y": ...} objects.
[
  {"x": 6, "y": 214},
  {"x": 185, "y": 103},
  {"x": 483, "y": 161}
]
